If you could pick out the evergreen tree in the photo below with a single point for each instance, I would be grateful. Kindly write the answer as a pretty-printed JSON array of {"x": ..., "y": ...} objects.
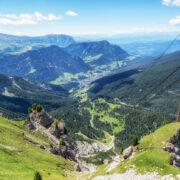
[
  {"x": 37, "y": 176},
  {"x": 134, "y": 141}
]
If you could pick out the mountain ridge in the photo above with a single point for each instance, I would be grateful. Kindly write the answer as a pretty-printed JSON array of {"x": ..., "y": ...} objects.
[
  {"x": 97, "y": 52},
  {"x": 45, "y": 64},
  {"x": 58, "y": 39}
]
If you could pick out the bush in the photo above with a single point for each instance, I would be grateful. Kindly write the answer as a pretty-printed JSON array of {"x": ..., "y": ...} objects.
[
  {"x": 62, "y": 143},
  {"x": 51, "y": 145},
  {"x": 56, "y": 123},
  {"x": 34, "y": 107},
  {"x": 166, "y": 122},
  {"x": 121, "y": 150},
  {"x": 37, "y": 176},
  {"x": 39, "y": 108},
  {"x": 64, "y": 130},
  {"x": 29, "y": 110},
  {"x": 134, "y": 141},
  {"x": 170, "y": 160}
]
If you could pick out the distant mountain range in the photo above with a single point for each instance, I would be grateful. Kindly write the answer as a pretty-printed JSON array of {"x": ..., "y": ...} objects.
[
  {"x": 98, "y": 52},
  {"x": 11, "y": 44},
  {"x": 61, "y": 40},
  {"x": 50, "y": 63}
]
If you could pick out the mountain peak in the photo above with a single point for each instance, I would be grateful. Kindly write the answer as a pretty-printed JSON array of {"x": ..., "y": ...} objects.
[{"x": 97, "y": 52}]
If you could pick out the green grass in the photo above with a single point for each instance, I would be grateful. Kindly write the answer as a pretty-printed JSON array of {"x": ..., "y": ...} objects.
[
  {"x": 18, "y": 165},
  {"x": 106, "y": 117},
  {"x": 92, "y": 58},
  {"x": 160, "y": 136},
  {"x": 108, "y": 139},
  {"x": 153, "y": 158}
]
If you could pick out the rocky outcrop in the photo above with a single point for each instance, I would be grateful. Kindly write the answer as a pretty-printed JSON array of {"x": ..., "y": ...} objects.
[
  {"x": 127, "y": 152},
  {"x": 59, "y": 129},
  {"x": 85, "y": 148},
  {"x": 174, "y": 149},
  {"x": 30, "y": 126},
  {"x": 52, "y": 129},
  {"x": 42, "y": 118}
]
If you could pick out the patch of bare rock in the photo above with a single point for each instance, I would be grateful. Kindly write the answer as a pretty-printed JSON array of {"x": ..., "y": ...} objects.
[
  {"x": 132, "y": 175},
  {"x": 52, "y": 129},
  {"x": 174, "y": 149}
]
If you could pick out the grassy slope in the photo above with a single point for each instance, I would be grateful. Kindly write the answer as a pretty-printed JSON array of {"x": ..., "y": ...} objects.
[
  {"x": 18, "y": 165},
  {"x": 152, "y": 158}
]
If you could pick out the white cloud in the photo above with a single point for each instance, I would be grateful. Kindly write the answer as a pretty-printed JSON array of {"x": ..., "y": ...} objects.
[
  {"x": 166, "y": 2},
  {"x": 24, "y": 19},
  {"x": 71, "y": 13},
  {"x": 171, "y": 2},
  {"x": 175, "y": 21},
  {"x": 50, "y": 17}
]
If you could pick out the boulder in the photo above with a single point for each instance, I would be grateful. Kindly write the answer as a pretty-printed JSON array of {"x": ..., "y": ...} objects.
[
  {"x": 127, "y": 152},
  {"x": 42, "y": 146}
]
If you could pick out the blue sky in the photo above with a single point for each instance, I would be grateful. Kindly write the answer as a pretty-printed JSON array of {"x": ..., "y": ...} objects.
[{"x": 81, "y": 17}]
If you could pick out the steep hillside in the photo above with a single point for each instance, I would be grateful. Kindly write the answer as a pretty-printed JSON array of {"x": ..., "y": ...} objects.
[
  {"x": 17, "y": 94},
  {"x": 149, "y": 157},
  {"x": 21, "y": 155},
  {"x": 45, "y": 64},
  {"x": 98, "y": 53},
  {"x": 130, "y": 89},
  {"x": 126, "y": 89}
]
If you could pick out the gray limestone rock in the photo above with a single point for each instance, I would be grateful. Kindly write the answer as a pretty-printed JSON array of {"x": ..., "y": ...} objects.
[{"x": 127, "y": 152}]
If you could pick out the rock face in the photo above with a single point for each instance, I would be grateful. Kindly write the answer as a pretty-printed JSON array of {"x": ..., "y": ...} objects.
[
  {"x": 174, "y": 149},
  {"x": 84, "y": 148},
  {"x": 128, "y": 152},
  {"x": 54, "y": 130},
  {"x": 42, "y": 118},
  {"x": 59, "y": 129}
]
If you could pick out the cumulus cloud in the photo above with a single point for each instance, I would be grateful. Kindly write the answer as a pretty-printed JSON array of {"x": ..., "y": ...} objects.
[
  {"x": 175, "y": 21},
  {"x": 171, "y": 2},
  {"x": 71, "y": 13},
  {"x": 24, "y": 19},
  {"x": 50, "y": 17}
]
